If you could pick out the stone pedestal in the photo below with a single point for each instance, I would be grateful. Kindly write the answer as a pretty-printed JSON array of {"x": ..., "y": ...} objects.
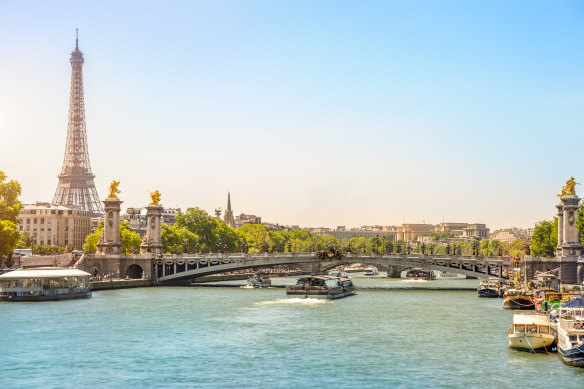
[
  {"x": 569, "y": 246},
  {"x": 152, "y": 242},
  {"x": 109, "y": 242}
]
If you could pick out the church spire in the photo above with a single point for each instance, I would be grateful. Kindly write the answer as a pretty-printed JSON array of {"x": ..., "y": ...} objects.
[{"x": 228, "y": 216}]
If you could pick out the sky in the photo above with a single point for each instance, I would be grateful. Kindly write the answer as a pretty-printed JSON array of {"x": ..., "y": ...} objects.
[{"x": 312, "y": 113}]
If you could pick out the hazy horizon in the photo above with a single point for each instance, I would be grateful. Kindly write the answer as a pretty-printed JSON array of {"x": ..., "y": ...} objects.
[{"x": 311, "y": 113}]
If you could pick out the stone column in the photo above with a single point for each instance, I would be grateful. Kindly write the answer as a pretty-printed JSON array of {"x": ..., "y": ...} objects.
[
  {"x": 152, "y": 241},
  {"x": 571, "y": 248},
  {"x": 109, "y": 242}
]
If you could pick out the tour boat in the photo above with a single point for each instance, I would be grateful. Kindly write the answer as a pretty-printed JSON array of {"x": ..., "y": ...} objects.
[
  {"x": 44, "y": 284},
  {"x": 489, "y": 288},
  {"x": 531, "y": 333},
  {"x": 517, "y": 299},
  {"x": 327, "y": 287},
  {"x": 420, "y": 274},
  {"x": 371, "y": 271},
  {"x": 259, "y": 281},
  {"x": 571, "y": 341}
]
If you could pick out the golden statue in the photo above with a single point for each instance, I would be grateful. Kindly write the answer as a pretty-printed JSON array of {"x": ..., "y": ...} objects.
[
  {"x": 569, "y": 189},
  {"x": 155, "y": 196},
  {"x": 113, "y": 188}
]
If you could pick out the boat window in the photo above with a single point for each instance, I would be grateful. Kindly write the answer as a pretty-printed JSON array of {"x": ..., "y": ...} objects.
[
  {"x": 520, "y": 328},
  {"x": 531, "y": 328},
  {"x": 544, "y": 330},
  {"x": 573, "y": 338},
  {"x": 332, "y": 283}
]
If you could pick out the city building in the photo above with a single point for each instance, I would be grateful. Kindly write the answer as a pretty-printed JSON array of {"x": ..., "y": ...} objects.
[
  {"x": 476, "y": 230},
  {"x": 508, "y": 235},
  {"x": 409, "y": 232},
  {"x": 136, "y": 218},
  {"x": 341, "y": 233},
  {"x": 55, "y": 225},
  {"x": 454, "y": 228},
  {"x": 247, "y": 219}
]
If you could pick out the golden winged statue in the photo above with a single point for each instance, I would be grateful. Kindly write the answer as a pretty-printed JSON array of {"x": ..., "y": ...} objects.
[
  {"x": 569, "y": 189},
  {"x": 113, "y": 188},
  {"x": 155, "y": 196}
]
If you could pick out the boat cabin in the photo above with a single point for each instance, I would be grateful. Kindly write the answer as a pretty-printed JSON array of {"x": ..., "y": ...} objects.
[
  {"x": 43, "y": 284},
  {"x": 535, "y": 324}
]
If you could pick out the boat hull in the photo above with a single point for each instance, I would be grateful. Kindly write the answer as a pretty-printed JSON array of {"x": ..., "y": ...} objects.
[
  {"x": 573, "y": 357},
  {"x": 519, "y": 302},
  {"x": 488, "y": 292},
  {"x": 319, "y": 294},
  {"x": 71, "y": 296},
  {"x": 530, "y": 341}
]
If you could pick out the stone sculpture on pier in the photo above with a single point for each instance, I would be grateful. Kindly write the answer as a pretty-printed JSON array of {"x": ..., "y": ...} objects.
[
  {"x": 152, "y": 242},
  {"x": 109, "y": 242},
  {"x": 569, "y": 248}
]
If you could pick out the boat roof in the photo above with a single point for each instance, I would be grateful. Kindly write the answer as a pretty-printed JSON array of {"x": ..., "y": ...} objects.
[
  {"x": 542, "y": 320},
  {"x": 579, "y": 302},
  {"x": 44, "y": 272},
  {"x": 324, "y": 278}
]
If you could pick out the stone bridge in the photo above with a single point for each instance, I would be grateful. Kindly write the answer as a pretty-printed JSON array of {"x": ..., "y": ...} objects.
[{"x": 180, "y": 269}]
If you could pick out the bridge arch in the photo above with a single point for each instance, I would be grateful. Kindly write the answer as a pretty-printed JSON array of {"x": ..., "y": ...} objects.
[{"x": 134, "y": 272}]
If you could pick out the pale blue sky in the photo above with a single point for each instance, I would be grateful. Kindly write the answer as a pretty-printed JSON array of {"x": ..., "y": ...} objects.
[{"x": 317, "y": 113}]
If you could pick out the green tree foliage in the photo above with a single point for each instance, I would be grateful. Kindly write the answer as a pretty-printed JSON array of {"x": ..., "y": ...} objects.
[
  {"x": 8, "y": 237},
  {"x": 91, "y": 240},
  {"x": 177, "y": 239},
  {"x": 130, "y": 239},
  {"x": 545, "y": 238},
  {"x": 580, "y": 221},
  {"x": 10, "y": 207}
]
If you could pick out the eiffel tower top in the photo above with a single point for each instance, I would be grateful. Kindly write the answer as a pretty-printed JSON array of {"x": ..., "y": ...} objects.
[
  {"x": 77, "y": 55},
  {"x": 76, "y": 185}
]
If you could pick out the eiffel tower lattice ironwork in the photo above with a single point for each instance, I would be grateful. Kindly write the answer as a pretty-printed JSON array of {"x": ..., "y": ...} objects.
[{"x": 76, "y": 185}]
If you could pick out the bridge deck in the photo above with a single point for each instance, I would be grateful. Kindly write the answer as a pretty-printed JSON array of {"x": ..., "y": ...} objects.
[{"x": 183, "y": 268}]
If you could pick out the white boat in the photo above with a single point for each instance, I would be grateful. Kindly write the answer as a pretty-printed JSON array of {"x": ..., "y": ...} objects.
[
  {"x": 259, "y": 281},
  {"x": 571, "y": 340},
  {"x": 371, "y": 271},
  {"x": 338, "y": 273},
  {"x": 567, "y": 311},
  {"x": 531, "y": 332}
]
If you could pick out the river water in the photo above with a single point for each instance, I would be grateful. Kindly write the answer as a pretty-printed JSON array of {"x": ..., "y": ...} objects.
[{"x": 188, "y": 337}]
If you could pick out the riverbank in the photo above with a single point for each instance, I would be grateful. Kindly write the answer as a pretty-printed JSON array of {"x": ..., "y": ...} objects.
[{"x": 119, "y": 284}]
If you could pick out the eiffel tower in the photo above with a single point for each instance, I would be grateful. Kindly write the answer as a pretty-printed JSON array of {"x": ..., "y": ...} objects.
[{"x": 76, "y": 185}]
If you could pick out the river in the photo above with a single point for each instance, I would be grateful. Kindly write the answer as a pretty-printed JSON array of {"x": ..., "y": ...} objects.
[{"x": 235, "y": 337}]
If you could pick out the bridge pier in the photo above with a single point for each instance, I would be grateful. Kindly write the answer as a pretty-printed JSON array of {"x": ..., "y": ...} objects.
[{"x": 394, "y": 271}]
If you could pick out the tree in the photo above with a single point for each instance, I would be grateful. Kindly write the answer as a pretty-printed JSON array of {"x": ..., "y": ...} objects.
[
  {"x": 8, "y": 237},
  {"x": 10, "y": 207},
  {"x": 580, "y": 221},
  {"x": 256, "y": 236},
  {"x": 204, "y": 226},
  {"x": 130, "y": 239},
  {"x": 91, "y": 240},
  {"x": 545, "y": 238}
]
